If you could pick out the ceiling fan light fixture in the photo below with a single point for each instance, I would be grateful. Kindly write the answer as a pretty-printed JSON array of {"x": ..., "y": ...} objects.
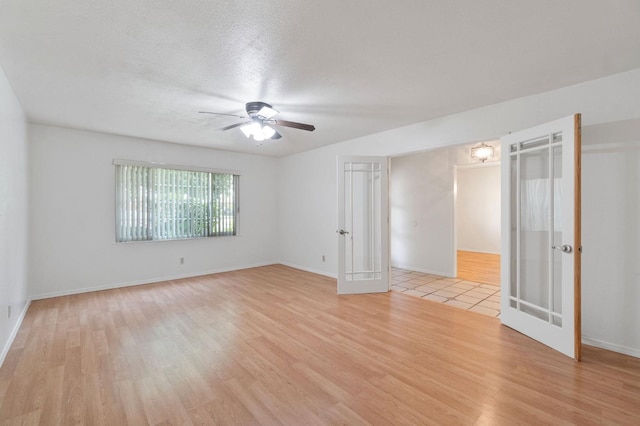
[
  {"x": 268, "y": 132},
  {"x": 258, "y": 131},
  {"x": 256, "y": 128},
  {"x": 267, "y": 112},
  {"x": 247, "y": 129},
  {"x": 252, "y": 129},
  {"x": 259, "y": 123}
]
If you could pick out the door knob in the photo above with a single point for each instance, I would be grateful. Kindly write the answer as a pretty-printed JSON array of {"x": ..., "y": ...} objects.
[
  {"x": 342, "y": 232},
  {"x": 566, "y": 248}
]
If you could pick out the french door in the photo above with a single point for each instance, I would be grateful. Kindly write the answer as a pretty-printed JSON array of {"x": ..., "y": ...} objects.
[
  {"x": 541, "y": 242},
  {"x": 363, "y": 225}
]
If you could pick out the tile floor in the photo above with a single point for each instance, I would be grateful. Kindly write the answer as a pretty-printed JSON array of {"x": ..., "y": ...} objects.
[{"x": 471, "y": 296}]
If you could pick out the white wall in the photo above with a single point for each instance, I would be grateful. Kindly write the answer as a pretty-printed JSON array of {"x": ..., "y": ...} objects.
[
  {"x": 14, "y": 292},
  {"x": 72, "y": 242},
  {"x": 478, "y": 208},
  {"x": 422, "y": 212},
  {"x": 611, "y": 235},
  {"x": 307, "y": 220}
]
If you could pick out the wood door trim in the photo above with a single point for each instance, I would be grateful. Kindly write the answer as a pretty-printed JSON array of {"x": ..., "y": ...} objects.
[{"x": 577, "y": 280}]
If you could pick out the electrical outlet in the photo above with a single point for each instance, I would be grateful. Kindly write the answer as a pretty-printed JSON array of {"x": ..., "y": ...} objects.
[
  {"x": 9, "y": 311},
  {"x": 182, "y": 260},
  {"x": 323, "y": 258}
]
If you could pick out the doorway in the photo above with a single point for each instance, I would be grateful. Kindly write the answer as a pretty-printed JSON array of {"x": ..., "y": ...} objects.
[
  {"x": 477, "y": 222},
  {"x": 423, "y": 230}
]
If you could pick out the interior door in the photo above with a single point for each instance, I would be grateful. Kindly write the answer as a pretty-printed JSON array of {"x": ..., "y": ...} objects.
[
  {"x": 363, "y": 223},
  {"x": 541, "y": 247}
]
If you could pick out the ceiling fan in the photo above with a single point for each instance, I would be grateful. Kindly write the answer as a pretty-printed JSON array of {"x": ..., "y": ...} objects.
[{"x": 260, "y": 122}]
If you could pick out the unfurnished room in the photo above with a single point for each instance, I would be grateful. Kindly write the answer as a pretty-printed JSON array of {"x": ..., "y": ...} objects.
[{"x": 318, "y": 213}]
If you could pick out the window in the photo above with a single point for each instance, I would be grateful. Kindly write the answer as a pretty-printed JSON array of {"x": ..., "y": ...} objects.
[{"x": 159, "y": 202}]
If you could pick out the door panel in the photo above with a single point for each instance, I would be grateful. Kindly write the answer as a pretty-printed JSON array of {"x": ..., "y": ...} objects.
[
  {"x": 540, "y": 234},
  {"x": 363, "y": 253}
]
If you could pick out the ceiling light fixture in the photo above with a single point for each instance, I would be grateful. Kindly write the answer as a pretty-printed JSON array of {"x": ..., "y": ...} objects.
[
  {"x": 260, "y": 123},
  {"x": 258, "y": 130},
  {"x": 268, "y": 131},
  {"x": 267, "y": 112},
  {"x": 247, "y": 130},
  {"x": 481, "y": 152},
  {"x": 260, "y": 112}
]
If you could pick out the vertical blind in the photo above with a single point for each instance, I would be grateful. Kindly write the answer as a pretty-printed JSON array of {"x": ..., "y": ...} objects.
[{"x": 154, "y": 203}]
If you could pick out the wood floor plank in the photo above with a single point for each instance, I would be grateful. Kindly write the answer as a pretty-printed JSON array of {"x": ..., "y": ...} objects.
[
  {"x": 224, "y": 410},
  {"x": 340, "y": 414},
  {"x": 132, "y": 404},
  {"x": 276, "y": 345},
  {"x": 53, "y": 406},
  {"x": 479, "y": 267},
  {"x": 244, "y": 394}
]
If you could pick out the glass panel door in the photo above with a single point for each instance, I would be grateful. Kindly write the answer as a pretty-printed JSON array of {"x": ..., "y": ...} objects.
[
  {"x": 363, "y": 225},
  {"x": 541, "y": 247}
]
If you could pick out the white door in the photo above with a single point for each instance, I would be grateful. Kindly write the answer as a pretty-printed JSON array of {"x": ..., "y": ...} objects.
[
  {"x": 541, "y": 249},
  {"x": 363, "y": 223}
]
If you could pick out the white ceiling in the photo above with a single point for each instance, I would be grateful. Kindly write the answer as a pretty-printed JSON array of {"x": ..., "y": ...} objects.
[{"x": 352, "y": 68}]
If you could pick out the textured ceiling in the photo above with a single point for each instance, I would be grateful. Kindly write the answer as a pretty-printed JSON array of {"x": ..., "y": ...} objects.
[{"x": 352, "y": 68}]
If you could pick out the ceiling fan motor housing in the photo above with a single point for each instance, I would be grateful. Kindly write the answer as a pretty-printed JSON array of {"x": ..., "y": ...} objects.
[{"x": 254, "y": 107}]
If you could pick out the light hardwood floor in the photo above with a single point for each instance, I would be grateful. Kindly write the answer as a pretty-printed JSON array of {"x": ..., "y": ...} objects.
[
  {"x": 275, "y": 345},
  {"x": 479, "y": 267}
]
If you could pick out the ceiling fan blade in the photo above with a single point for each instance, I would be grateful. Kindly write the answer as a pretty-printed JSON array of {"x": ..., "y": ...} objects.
[
  {"x": 222, "y": 113},
  {"x": 295, "y": 125},
  {"x": 233, "y": 126}
]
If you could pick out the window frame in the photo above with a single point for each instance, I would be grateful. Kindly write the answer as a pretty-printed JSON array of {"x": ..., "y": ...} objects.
[{"x": 175, "y": 167}]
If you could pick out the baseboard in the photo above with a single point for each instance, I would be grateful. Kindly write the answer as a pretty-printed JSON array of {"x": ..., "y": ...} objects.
[
  {"x": 611, "y": 347},
  {"x": 313, "y": 271},
  {"x": 425, "y": 271},
  {"x": 145, "y": 281},
  {"x": 14, "y": 333}
]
